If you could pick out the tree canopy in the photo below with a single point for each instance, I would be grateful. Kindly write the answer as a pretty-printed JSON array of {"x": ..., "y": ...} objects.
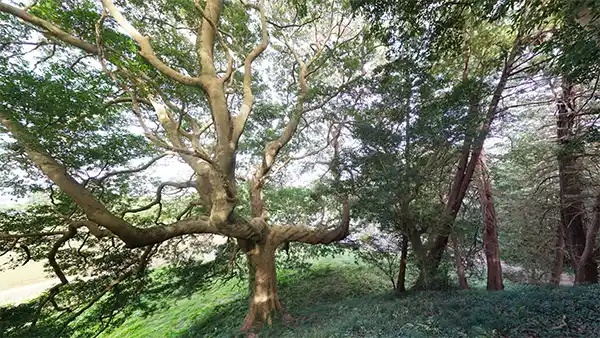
[{"x": 144, "y": 133}]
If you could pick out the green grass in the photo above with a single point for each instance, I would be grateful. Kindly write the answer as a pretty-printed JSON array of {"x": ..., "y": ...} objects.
[{"x": 337, "y": 298}]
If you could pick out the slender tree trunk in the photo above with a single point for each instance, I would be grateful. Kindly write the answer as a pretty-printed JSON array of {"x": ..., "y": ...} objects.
[
  {"x": 490, "y": 229},
  {"x": 264, "y": 302},
  {"x": 460, "y": 269},
  {"x": 559, "y": 256},
  {"x": 400, "y": 285},
  {"x": 471, "y": 150}
]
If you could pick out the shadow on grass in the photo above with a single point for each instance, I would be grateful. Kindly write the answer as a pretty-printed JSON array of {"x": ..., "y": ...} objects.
[
  {"x": 352, "y": 301},
  {"x": 303, "y": 294}
]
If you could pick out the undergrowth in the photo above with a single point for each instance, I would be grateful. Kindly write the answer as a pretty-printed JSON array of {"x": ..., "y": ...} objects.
[{"x": 342, "y": 299}]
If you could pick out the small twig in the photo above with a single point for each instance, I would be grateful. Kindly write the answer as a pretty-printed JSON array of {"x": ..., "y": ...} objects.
[{"x": 562, "y": 324}]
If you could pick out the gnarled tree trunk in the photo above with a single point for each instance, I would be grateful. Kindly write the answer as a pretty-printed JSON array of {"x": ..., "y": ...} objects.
[
  {"x": 490, "y": 230},
  {"x": 429, "y": 261},
  {"x": 264, "y": 302}
]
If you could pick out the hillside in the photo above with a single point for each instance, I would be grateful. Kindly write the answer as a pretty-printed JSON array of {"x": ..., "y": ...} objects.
[{"x": 338, "y": 298}]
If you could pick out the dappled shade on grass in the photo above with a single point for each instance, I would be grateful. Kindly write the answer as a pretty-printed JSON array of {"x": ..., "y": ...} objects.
[{"x": 354, "y": 301}]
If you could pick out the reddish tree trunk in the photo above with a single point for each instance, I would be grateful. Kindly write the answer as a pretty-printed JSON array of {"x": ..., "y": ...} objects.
[
  {"x": 471, "y": 150},
  {"x": 264, "y": 302},
  {"x": 490, "y": 229},
  {"x": 400, "y": 285}
]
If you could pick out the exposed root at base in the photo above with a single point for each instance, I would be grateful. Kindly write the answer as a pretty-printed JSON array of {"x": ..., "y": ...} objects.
[{"x": 261, "y": 313}]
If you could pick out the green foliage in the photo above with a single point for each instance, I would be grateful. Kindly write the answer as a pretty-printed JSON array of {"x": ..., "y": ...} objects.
[
  {"x": 145, "y": 295},
  {"x": 527, "y": 204},
  {"x": 66, "y": 112},
  {"x": 441, "y": 24},
  {"x": 338, "y": 298}
]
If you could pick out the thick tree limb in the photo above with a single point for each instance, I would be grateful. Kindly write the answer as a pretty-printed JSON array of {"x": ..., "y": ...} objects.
[
  {"x": 216, "y": 31},
  {"x": 49, "y": 28},
  {"x": 248, "y": 98},
  {"x": 205, "y": 36},
  {"x": 304, "y": 234},
  {"x": 97, "y": 213}
]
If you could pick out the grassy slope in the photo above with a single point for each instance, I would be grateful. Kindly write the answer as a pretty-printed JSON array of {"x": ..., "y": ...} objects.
[{"x": 341, "y": 299}]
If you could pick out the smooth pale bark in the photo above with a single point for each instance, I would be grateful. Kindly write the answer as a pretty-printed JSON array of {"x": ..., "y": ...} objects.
[
  {"x": 215, "y": 170},
  {"x": 264, "y": 302},
  {"x": 490, "y": 229}
]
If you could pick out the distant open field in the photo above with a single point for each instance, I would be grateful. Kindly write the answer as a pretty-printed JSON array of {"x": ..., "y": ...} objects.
[
  {"x": 23, "y": 283},
  {"x": 30, "y": 280}
]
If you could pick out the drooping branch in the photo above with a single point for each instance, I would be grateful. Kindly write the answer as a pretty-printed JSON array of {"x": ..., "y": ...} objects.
[
  {"x": 49, "y": 28},
  {"x": 136, "y": 269},
  {"x": 97, "y": 213},
  {"x": 158, "y": 198},
  {"x": 69, "y": 234}
]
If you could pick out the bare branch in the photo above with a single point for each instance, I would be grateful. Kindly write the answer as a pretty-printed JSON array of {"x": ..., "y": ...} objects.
[
  {"x": 126, "y": 99},
  {"x": 132, "y": 171},
  {"x": 31, "y": 234},
  {"x": 158, "y": 198}
]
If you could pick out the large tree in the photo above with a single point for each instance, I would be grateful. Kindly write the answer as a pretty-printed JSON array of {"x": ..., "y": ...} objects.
[{"x": 187, "y": 71}]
